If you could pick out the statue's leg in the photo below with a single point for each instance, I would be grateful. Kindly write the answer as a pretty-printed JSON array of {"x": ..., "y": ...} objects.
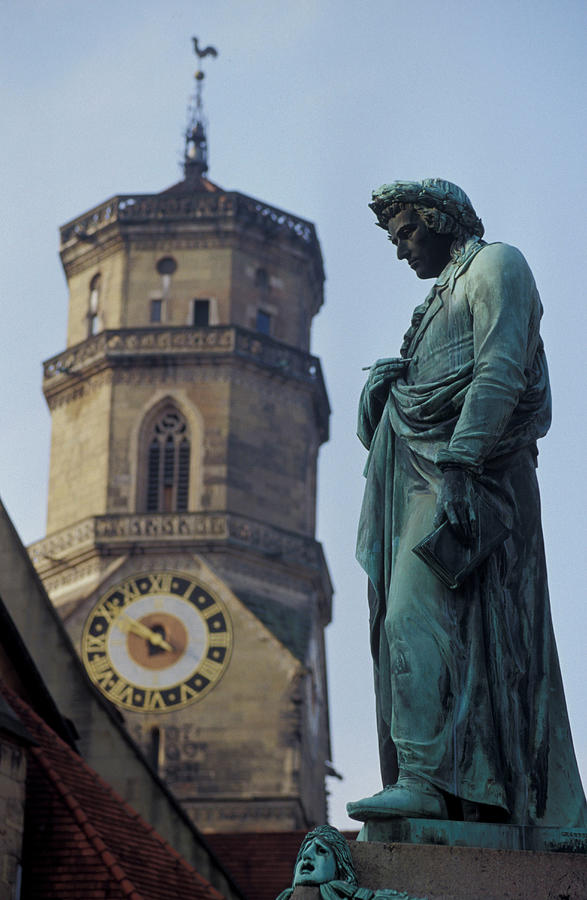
[
  {"x": 383, "y": 700},
  {"x": 413, "y": 694},
  {"x": 424, "y": 644},
  {"x": 441, "y": 720}
]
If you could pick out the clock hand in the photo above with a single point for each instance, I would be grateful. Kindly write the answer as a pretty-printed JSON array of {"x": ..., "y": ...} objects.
[
  {"x": 160, "y": 641},
  {"x": 152, "y": 636},
  {"x": 125, "y": 623}
]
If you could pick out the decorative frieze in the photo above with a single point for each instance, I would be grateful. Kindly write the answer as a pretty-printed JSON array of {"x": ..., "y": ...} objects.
[
  {"x": 218, "y": 339},
  {"x": 157, "y": 525},
  {"x": 72, "y": 575},
  {"x": 176, "y": 528},
  {"x": 113, "y": 344},
  {"x": 226, "y": 206},
  {"x": 61, "y": 544}
]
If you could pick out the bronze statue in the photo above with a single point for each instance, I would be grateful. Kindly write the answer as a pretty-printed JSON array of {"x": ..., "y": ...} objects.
[{"x": 471, "y": 713}]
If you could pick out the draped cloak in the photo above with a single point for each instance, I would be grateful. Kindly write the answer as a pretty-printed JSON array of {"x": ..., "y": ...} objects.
[{"x": 467, "y": 682}]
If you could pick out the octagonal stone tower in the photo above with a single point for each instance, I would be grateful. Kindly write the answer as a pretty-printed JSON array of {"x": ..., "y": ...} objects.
[{"x": 187, "y": 414}]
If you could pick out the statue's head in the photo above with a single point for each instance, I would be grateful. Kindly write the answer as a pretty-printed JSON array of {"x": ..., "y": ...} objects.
[
  {"x": 425, "y": 220},
  {"x": 324, "y": 856}
]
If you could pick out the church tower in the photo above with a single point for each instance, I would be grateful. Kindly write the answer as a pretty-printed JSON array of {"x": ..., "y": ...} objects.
[{"x": 187, "y": 414}]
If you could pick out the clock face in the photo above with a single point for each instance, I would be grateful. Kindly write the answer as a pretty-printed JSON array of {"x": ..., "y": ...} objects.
[{"x": 157, "y": 642}]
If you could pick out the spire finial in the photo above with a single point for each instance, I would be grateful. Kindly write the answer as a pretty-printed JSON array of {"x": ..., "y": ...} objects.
[{"x": 196, "y": 145}]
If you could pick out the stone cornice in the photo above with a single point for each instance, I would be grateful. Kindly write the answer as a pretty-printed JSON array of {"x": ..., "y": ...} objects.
[
  {"x": 83, "y": 256},
  {"x": 121, "y": 533},
  {"x": 206, "y": 211},
  {"x": 64, "y": 373}
]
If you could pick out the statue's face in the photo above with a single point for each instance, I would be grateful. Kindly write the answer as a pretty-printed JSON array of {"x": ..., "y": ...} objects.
[
  {"x": 317, "y": 865},
  {"x": 426, "y": 252}
]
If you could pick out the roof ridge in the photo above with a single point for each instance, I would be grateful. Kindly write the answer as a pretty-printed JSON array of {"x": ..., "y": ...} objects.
[{"x": 117, "y": 872}]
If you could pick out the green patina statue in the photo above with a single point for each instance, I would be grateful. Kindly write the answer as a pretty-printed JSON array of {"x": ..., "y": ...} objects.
[
  {"x": 324, "y": 860},
  {"x": 471, "y": 712}
]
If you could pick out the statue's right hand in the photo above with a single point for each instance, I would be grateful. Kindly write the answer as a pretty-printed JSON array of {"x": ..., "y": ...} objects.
[{"x": 383, "y": 372}]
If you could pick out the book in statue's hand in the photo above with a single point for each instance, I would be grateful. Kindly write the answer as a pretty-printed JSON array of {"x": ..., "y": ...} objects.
[{"x": 449, "y": 558}]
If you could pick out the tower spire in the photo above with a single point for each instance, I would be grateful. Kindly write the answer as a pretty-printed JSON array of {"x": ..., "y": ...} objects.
[{"x": 196, "y": 144}]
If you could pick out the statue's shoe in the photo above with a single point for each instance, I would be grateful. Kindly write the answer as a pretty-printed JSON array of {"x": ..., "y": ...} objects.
[{"x": 410, "y": 796}]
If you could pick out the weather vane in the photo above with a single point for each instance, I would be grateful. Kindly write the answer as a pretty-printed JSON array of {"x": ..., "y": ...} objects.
[{"x": 196, "y": 144}]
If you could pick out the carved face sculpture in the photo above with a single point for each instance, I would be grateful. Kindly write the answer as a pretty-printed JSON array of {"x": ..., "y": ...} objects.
[
  {"x": 316, "y": 865},
  {"x": 426, "y": 252}
]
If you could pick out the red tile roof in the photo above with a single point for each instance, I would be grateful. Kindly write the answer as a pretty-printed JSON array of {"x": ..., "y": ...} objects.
[
  {"x": 82, "y": 840},
  {"x": 262, "y": 863},
  {"x": 188, "y": 187}
]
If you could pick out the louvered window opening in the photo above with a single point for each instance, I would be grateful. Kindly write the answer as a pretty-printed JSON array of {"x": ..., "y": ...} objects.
[{"x": 168, "y": 465}]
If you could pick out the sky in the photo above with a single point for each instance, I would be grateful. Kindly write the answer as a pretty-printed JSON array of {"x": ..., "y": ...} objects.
[{"x": 311, "y": 105}]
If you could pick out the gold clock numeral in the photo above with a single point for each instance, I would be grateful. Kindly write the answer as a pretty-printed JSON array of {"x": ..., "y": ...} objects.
[
  {"x": 101, "y": 671},
  {"x": 210, "y": 611},
  {"x": 219, "y": 639},
  {"x": 186, "y": 693},
  {"x": 121, "y": 691},
  {"x": 108, "y": 610},
  {"x": 129, "y": 591},
  {"x": 100, "y": 664},
  {"x": 161, "y": 582},
  {"x": 96, "y": 643},
  {"x": 209, "y": 669},
  {"x": 154, "y": 701}
]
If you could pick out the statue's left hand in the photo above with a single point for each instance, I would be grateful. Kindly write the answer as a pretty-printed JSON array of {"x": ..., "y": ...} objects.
[{"x": 456, "y": 502}]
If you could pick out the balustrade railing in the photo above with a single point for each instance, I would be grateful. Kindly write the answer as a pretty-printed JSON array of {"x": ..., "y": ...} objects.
[
  {"x": 215, "y": 340},
  {"x": 151, "y": 528},
  {"x": 135, "y": 208}
]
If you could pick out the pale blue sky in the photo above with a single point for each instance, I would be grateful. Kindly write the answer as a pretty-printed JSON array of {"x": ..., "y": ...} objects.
[{"x": 311, "y": 105}]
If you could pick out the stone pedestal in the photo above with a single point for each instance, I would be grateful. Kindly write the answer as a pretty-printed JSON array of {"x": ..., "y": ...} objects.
[
  {"x": 475, "y": 834},
  {"x": 470, "y": 873}
]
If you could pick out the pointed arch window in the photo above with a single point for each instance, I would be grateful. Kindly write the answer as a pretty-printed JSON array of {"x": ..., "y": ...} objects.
[{"x": 168, "y": 464}]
